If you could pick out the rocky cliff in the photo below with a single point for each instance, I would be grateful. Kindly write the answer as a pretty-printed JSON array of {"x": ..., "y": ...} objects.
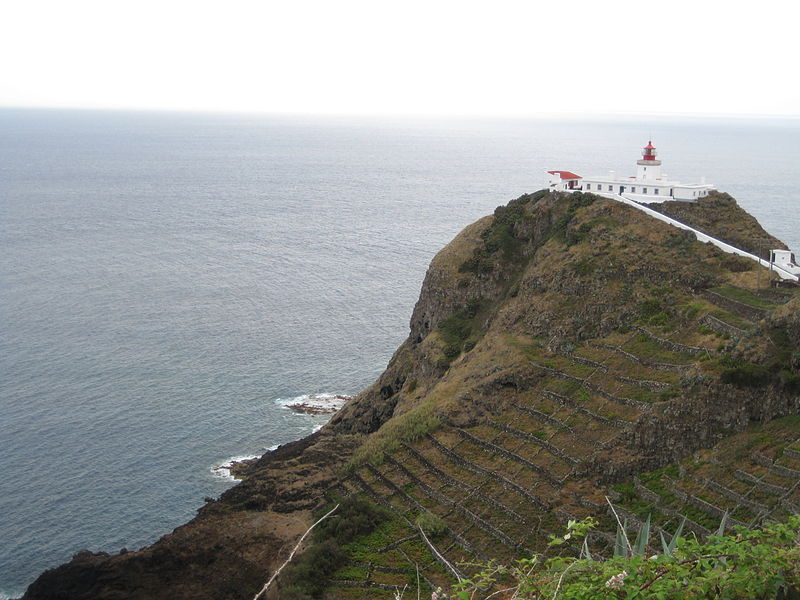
[{"x": 564, "y": 350}]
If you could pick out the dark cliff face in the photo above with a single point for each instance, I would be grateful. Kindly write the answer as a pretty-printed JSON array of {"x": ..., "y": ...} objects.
[{"x": 571, "y": 341}]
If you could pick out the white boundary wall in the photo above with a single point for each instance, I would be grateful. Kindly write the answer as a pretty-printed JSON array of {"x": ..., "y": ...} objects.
[{"x": 703, "y": 237}]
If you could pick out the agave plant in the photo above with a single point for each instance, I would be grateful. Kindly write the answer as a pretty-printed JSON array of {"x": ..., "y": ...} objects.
[
  {"x": 623, "y": 548},
  {"x": 669, "y": 548}
]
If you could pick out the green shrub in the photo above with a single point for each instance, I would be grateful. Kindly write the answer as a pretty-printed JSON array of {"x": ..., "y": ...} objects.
[
  {"x": 460, "y": 332},
  {"x": 583, "y": 267},
  {"x": 431, "y": 524},
  {"x": 790, "y": 381},
  {"x": 744, "y": 374},
  {"x": 759, "y": 564},
  {"x": 560, "y": 230},
  {"x": 652, "y": 312},
  {"x": 308, "y": 576},
  {"x": 499, "y": 237},
  {"x": 408, "y": 427},
  {"x": 649, "y": 308},
  {"x": 691, "y": 310}
]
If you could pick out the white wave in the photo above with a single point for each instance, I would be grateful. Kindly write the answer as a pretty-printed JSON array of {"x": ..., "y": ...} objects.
[
  {"x": 311, "y": 404},
  {"x": 223, "y": 471},
  {"x": 314, "y": 403}
]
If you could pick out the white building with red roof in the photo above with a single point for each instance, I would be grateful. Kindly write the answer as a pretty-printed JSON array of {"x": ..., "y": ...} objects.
[{"x": 648, "y": 186}]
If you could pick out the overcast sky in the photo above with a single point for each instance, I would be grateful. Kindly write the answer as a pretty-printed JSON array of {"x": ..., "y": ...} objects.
[{"x": 493, "y": 58}]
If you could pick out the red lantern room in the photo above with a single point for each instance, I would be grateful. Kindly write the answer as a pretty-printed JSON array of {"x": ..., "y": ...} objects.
[{"x": 649, "y": 152}]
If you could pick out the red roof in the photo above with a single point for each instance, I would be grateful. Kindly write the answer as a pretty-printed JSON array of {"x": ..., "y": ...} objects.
[
  {"x": 649, "y": 146},
  {"x": 565, "y": 174}
]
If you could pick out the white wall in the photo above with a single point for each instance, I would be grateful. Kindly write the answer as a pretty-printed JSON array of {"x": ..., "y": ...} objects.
[{"x": 648, "y": 172}]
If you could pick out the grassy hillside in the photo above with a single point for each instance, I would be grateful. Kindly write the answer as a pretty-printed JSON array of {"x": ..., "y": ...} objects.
[
  {"x": 566, "y": 351},
  {"x": 601, "y": 356}
]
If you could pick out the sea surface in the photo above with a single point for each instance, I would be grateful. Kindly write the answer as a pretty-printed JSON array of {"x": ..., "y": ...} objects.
[{"x": 168, "y": 282}]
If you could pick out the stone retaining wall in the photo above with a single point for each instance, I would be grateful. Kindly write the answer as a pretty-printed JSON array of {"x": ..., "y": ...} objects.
[
  {"x": 721, "y": 327},
  {"x": 751, "y": 313}
]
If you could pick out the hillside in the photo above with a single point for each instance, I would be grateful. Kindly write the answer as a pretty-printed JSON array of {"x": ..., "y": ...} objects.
[{"x": 564, "y": 350}]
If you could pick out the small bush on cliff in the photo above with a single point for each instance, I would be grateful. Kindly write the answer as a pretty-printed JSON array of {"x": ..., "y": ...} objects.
[
  {"x": 431, "y": 524},
  {"x": 460, "y": 332},
  {"x": 652, "y": 312},
  {"x": 500, "y": 237},
  {"x": 561, "y": 231},
  {"x": 307, "y": 578},
  {"x": 744, "y": 374},
  {"x": 408, "y": 427}
]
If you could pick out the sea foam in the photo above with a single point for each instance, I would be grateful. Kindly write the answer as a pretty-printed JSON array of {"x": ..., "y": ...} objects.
[
  {"x": 322, "y": 403},
  {"x": 223, "y": 471}
]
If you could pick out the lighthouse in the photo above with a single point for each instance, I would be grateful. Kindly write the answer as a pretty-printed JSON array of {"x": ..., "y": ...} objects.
[
  {"x": 649, "y": 167},
  {"x": 648, "y": 186}
]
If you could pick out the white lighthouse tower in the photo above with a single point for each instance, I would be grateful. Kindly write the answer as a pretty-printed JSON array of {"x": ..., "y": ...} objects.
[{"x": 649, "y": 167}]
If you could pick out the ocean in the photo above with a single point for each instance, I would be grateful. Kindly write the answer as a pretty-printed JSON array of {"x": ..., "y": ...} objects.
[{"x": 169, "y": 281}]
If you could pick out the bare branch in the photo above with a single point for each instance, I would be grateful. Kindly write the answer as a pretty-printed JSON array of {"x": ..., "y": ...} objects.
[
  {"x": 621, "y": 528},
  {"x": 275, "y": 574},
  {"x": 442, "y": 558},
  {"x": 560, "y": 579}
]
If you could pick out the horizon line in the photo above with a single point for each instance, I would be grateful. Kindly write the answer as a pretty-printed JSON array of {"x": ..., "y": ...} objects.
[{"x": 410, "y": 115}]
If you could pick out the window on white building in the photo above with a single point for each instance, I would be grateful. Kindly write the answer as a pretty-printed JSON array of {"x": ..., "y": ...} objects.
[
  {"x": 644, "y": 190},
  {"x": 633, "y": 190},
  {"x": 655, "y": 191},
  {"x": 588, "y": 186},
  {"x": 611, "y": 188}
]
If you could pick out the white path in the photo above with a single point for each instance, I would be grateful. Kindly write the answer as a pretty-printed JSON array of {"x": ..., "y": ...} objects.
[{"x": 703, "y": 237}]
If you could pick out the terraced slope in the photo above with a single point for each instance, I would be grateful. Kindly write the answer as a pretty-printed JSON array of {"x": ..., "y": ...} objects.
[
  {"x": 540, "y": 429},
  {"x": 566, "y": 351},
  {"x": 503, "y": 485}
]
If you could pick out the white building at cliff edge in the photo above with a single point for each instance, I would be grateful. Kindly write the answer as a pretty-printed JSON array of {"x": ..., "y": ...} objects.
[{"x": 649, "y": 185}]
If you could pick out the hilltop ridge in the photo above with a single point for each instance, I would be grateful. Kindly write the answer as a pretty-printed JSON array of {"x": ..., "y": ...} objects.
[{"x": 565, "y": 349}]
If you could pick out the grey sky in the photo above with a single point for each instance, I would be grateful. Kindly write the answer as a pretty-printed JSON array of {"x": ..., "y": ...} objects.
[{"x": 371, "y": 57}]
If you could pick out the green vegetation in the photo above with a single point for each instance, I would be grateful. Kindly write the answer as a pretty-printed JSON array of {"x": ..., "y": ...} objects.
[
  {"x": 502, "y": 242},
  {"x": 681, "y": 241},
  {"x": 431, "y": 524},
  {"x": 500, "y": 236},
  {"x": 653, "y": 312},
  {"x": 746, "y": 374},
  {"x": 460, "y": 332},
  {"x": 583, "y": 267},
  {"x": 691, "y": 310},
  {"x": 646, "y": 348},
  {"x": 308, "y": 577},
  {"x": 776, "y": 371},
  {"x": 743, "y": 296},
  {"x": 790, "y": 381},
  {"x": 762, "y": 564},
  {"x": 561, "y": 231},
  {"x": 729, "y": 318},
  {"x": 408, "y": 427}
]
